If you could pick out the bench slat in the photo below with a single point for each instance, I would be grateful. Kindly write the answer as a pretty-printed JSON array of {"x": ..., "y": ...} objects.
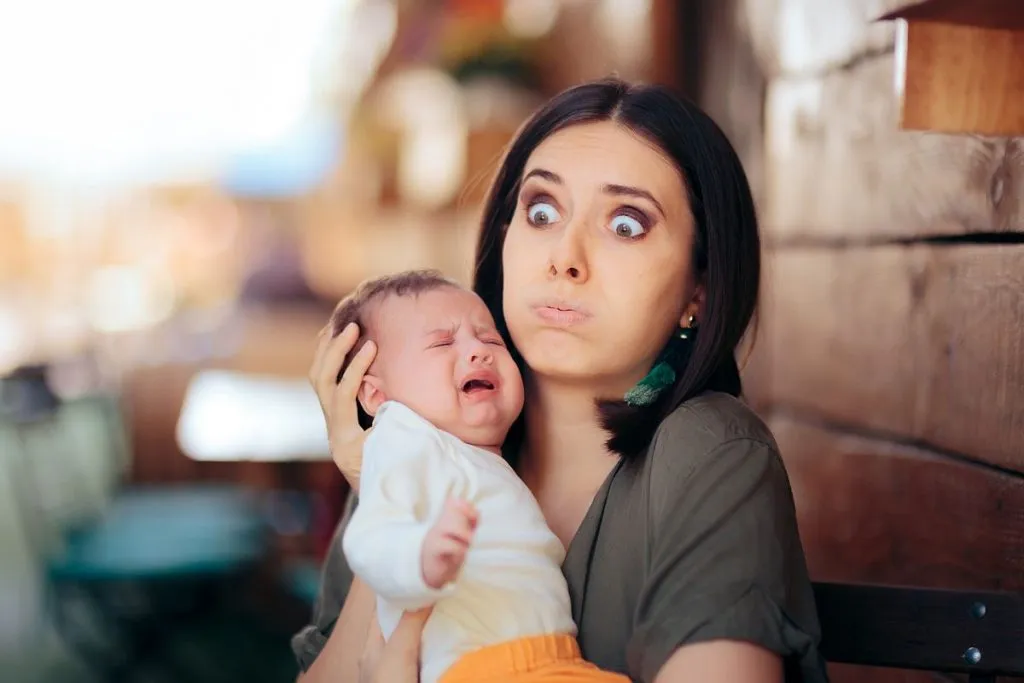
[{"x": 916, "y": 628}]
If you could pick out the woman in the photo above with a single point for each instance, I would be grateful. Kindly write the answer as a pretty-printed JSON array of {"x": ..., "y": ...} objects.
[{"x": 620, "y": 256}]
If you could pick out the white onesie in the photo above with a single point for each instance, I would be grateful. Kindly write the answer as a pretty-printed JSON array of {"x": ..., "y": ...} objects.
[{"x": 511, "y": 585}]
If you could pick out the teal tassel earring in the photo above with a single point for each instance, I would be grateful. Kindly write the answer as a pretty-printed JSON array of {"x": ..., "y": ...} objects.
[{"x": 663, "y": 374}]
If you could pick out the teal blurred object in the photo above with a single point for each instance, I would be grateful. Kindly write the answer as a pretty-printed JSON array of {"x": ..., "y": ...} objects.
[
  {"x": 165, "y": 532},
  {"x": 302, "y": 580},
  {"x": 143, "y": 561}
]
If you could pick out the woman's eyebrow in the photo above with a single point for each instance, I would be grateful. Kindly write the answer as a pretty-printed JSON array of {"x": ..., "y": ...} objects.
[
  {"x": 627, "y": 191},
  {"x": 545, "y": 174},
  {"x": 612, "y": 189}
]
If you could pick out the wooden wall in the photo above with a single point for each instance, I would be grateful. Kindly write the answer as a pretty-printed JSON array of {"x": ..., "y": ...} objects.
[{"x": 890, "y": 356}]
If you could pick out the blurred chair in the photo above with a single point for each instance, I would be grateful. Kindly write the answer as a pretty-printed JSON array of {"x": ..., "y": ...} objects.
[{"x": 134, "y": 563}]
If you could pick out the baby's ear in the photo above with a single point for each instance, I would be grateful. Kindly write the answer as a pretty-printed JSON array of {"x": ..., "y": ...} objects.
[{"x": 371, "y": 394}]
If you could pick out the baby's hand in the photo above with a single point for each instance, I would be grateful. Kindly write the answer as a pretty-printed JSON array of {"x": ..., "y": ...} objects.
[{"x": 447, "y": 542}]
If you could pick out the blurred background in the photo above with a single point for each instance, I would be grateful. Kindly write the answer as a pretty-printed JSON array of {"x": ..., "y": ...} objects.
[{"x": 187, "y": 188}]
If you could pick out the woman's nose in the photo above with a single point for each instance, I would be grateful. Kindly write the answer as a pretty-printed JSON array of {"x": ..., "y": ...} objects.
[{"x": 568, "y": 256}]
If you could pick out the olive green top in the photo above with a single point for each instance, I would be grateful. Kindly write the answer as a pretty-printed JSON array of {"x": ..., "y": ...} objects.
[{"x": 697, "y": 541}]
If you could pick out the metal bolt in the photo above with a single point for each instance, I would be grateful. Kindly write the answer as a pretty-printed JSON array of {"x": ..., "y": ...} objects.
[
  {"x": 978, "y": 610},
  {"x": 972, "y": 655}
]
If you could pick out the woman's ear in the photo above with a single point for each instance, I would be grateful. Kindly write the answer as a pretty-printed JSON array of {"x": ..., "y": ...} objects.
[
  {"x": 371, "y": 394},
  {"x": 696, "y": 306}
]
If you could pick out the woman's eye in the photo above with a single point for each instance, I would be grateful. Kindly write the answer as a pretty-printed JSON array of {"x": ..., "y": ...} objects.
[
  {"x": 542, "y": 213},
  {"x": 626, "y": 226}
]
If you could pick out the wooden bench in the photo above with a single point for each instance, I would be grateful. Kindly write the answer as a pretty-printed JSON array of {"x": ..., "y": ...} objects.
[{"x": 980, "y": 634}]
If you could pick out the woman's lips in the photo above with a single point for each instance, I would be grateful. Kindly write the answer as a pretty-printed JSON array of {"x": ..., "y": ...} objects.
[{"x": 561, "y": 316}]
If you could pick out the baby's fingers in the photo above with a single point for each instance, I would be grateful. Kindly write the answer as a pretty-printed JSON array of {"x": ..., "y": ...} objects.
[{"x": 452, "y": 547}]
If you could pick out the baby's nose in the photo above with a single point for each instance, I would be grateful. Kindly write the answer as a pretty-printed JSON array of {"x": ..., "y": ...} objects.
[{"x": 481, "y": 354}]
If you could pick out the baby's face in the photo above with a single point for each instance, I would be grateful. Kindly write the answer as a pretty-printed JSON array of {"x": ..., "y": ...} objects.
[{"x": 440, "y": 354}]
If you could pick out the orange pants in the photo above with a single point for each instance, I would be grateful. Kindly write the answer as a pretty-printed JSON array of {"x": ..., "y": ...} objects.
[{"x": 542, "y": 659}]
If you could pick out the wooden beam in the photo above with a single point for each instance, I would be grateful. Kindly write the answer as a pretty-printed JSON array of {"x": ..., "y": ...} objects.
[
  {"x": 953, "y": 78},
  {"x": 875, "y": 512},
  {"x": 731, "y": 85},
  {"x": 839, "y": 169},
  {"x": 851, "y": 673},
  {"x": 921, "y": 342},
  {"x": 670, "y": 52},
  {"x": 1004, "y": 14},
  {"x": 921, "y": 628}
]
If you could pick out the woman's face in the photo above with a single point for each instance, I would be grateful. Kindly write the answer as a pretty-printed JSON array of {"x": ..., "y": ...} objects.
[{"x": 597, "y": 258}]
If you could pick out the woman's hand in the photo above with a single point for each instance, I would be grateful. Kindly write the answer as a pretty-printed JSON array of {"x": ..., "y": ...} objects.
[
  {"x": 338, "y": 398},
  {"x": 398, "y": 660}
]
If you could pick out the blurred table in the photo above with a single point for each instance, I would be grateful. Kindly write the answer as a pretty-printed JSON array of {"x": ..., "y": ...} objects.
[{"x": 231, "y": 416}]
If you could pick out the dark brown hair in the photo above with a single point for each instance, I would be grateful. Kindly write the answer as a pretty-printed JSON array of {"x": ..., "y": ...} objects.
[
  {"x": 355, "y": 308},
  {"x": 726, "y": 249}
]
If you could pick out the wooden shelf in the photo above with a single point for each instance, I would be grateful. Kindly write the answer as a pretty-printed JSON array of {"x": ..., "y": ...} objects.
[
  {"x": 960, "y": 66},
  {"x": 997, "y": 14}
]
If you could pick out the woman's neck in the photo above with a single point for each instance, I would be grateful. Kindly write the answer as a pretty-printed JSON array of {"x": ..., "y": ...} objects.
[
  {"x": 562, "y": 427},
  {"x": 563, "y": 459}
]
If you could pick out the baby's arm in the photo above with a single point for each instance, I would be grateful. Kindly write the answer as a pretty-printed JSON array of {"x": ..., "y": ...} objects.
[{"x": 393, "y": 541}]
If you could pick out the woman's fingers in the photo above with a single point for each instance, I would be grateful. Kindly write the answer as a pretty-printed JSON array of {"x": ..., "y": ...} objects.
[
  {"x": 348, "y": 386},
  {"x": 346, "y": 436},
  {"x": 331, "y": 358},
  {"x": 323, "y": 338},
  {"x": 373, "y": 649},
  {"x": 410, "y": 628},
  {"x": 399, "y": 659},
  {"x": 338, "y": 396}
]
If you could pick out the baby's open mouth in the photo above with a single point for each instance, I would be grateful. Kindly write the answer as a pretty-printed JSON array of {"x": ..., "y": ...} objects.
[{"x": 474, "y": 385}]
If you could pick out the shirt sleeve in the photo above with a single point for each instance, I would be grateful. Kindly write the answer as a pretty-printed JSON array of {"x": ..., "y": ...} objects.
[
  {"x": 335, "y": 580},
  {"x": 405, "y": 479},
  {"x": 725, "y": 559}
]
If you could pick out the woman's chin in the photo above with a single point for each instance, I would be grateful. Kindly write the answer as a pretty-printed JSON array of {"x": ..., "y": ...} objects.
[
  {"x": 568, "y": 369},
  {"x": 568, "y": 359}
]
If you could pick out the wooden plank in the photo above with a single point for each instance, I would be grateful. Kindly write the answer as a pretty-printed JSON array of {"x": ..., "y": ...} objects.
[
  {"x": 848, "y": 673},
  {"x": 926, "y": 629},
  {"x": 875, "y": 512},
  {"x": 1008, "y": 14},
  {"x": 838, "y": 168},
  {"x": 961, "y": 79},
  {"x": 669, "y": 54},
  {"x": 922, "y": 628},
  {"x": 731, "y": 84},
  {"x": 922, "y": 341}
]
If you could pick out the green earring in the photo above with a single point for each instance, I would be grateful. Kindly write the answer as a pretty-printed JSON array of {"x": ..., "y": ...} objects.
[{"x": 663, "y": 374}]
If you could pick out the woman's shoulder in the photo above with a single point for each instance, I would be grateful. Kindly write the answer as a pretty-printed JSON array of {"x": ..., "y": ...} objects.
[
  {"x": 710, "y": 420},
  {"x": 712, "y": 440},
  {"x": 724, "y": 552}
]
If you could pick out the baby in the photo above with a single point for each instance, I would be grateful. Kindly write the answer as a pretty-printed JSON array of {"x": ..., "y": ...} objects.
[{"x": 442, "y": 519}]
